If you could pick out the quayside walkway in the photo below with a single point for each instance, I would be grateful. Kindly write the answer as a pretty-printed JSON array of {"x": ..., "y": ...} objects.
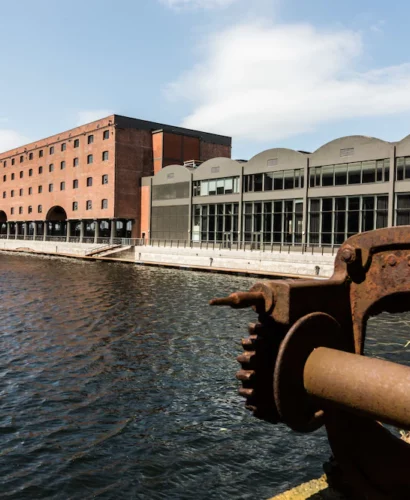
[{"x": 271, "y": 261}]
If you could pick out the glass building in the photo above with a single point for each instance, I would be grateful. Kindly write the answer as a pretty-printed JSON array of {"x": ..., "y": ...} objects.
[{"x": 284, "y": 197}]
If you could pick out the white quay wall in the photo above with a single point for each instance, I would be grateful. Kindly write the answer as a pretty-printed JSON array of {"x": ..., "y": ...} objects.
[
  {"x": 59, "y": 247},
  {"x": 285, "y": 263}
]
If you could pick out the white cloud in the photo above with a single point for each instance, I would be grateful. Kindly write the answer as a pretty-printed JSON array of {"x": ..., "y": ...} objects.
[
  {"x": 91, "y": 115},
  {"x": 10, "y": 139},
  {"x": 198, "y": 4},
  {"x": 266, "y": 82}
]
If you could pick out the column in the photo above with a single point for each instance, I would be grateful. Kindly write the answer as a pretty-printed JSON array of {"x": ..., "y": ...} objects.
[
  {"x": 45, "y": 230},
  {"x": 241, "y": 237},
  {"x": 391, "y": 189},
  {"x": 189, "y": 234},
  {"x": 81, "y": 231},
  {"x": 25, "y": 230},
  {"x": 34, "y": 230},
  {"x": 16, "y": 230},
  {"x": 8, "y": 230},
  {"x": 112, "y": 230},
  {"x": 68, "y": 230},
  {"x": 96, "y": 231},
  {"x": 305, "y": 213}
]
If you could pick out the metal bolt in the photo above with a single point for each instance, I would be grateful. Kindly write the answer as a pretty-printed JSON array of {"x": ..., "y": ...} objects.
[
  {"x": 391, "y": 260},
  {"x": 348, "y": 254}
]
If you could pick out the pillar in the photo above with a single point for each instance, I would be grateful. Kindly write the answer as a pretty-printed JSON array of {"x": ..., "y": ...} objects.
[
  {"x": 81, "y": 231},
  {"x": 8, "y": 230},
  {"x": 96, "y": 231},
  {"x": 34, "y": 230},
  {"x": 112, "y": 230},
  {"x": 68, "y": 230},
  {"x": 16, "y": 230},
  {"x": 45, "y": 230},
  {"x": 25, "y": 230}
]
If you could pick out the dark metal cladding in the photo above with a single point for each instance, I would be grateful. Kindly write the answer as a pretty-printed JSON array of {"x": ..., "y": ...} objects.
[{"x": 303, "y": 365}]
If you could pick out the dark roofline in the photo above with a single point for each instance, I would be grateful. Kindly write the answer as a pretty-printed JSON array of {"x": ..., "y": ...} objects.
[{"x": 127, "y": 122}]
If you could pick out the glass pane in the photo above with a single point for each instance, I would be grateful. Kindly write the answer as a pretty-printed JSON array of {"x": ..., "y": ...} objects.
[
  {"x": 327, "y": 175},
  {"x": 288, "y": 179},
  {"x": 368, "y": 171},
  {"x": 354, "y": 172},
  {"x": 204, "y": 188},
  {"x": 278, "y": 180},
  {"x": 341, "y": 174},
  {"x": 220, "y": 183},
  {"x": 269, "y": 181},
  {"x": 258, "y": 182},
  {"x": 229, "y": 185},
  {"x": 212, "y": 187}
]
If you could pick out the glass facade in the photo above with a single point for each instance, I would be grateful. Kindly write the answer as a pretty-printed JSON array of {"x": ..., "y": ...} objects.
[
  {"x": 361, "y": 172},
  {"x": 215, "y": 222},
  {"x": 402, "y": 216},
  {"x": 273, "y": 222},
  {"x": 403, "y": 168},
  {"x": 333, "y": 220},
  {"x": 225, "y": 185},
  {"x": 273, "y": 181}
]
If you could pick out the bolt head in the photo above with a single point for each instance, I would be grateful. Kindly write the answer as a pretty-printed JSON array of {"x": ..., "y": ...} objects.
[
  {"x": 348, "y": 254},
  {"x": 391, "y": 260}
]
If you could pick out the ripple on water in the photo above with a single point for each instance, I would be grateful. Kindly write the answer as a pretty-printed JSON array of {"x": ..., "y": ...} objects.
[{"x": 118, "y": 382}]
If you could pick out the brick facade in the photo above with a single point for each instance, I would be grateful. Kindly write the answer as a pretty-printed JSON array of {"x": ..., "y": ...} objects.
[{"x": 93, "y": 172}]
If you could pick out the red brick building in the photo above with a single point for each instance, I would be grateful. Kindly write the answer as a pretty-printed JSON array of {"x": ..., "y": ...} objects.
[{"x": 85, "y": 182}]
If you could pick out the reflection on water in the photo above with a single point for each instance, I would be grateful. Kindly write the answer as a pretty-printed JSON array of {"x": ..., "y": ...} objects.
[{"x": 118, "y": 382}]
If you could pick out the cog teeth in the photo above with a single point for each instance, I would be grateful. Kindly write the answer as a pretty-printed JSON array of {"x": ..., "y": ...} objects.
[
  {"x": 246, "y": 357},
  {"x": 246, "y": 393},
  {"x": 249, "y": 343},
  {"x": 245, "y": 375}
]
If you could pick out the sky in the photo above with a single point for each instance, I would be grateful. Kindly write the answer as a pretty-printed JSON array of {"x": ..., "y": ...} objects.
[{"x": 268, "y": 73}]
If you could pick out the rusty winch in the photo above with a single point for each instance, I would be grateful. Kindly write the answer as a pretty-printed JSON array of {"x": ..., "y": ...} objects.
[{"x": 304, "y": 366}]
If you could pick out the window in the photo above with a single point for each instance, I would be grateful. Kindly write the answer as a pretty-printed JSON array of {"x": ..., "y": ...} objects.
[
  {"x": 75, "y": 205},
  {"x": 40, "y": 153},
  {"x": 75, "y": 184},
  {"x": 75, "y": 162},
  {"x": 21, "y": 174},
  {"x": 12, "y": 193},
  {"x": 106, "y": 134},
  {"x": 39, "y": 209},
  {"x": 21, "y": 159},
  {"x": 40, "y": 170},
  {"x": 30, "y": 209},
  {"x": 105, "y": 156},
  {"x": 63, "y": 146},
  {"x": 89, "y": 205},
  {"x": 13, "y": 161},
  {"x": 50, "y": 188},
  {"x": 62, "y": 165},
  {"x": 76, "y": 143},
  {"x": 90, "y": 139},
  {"x": 52, "y": 150},
  {"x": 20, "y": 210},
  {"x": 62, "y": 186},
  {"x": 89, "y": 159},
  {"x": 224, "y": 185},
  {"x": 4, "y": 178},
  {"x": 104, "y": 203},
  {"x": 105, "y": 179},
  {"x": 40, "y": 189},
  {"x": 12, "y": 177},
  {"x": 30, "y": 190},
  {"x": 5, "y": 163},
  {"x": 51, "y": 167},
  {"x": 20, "y": 192},
  {"x": 30, "y": 172},
  {"x": 89, "y": 181},
  {"x": 12, "y": 211},
  {"x": 4, "y": 194},
  {"x": 30, "y": 156}
]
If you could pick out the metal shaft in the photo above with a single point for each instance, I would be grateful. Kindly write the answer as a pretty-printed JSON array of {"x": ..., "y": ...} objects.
[{"x": 371, "y": 387}]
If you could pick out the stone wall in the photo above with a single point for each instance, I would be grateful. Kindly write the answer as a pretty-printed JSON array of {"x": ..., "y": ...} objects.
[{"x": 48, "y": 246}]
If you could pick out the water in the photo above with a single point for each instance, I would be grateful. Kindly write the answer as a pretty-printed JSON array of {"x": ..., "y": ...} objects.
[{"x": 118, "y": 382}]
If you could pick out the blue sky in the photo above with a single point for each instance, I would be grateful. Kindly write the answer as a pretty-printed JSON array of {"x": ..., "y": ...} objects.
[{"x": 270, "y": 73}]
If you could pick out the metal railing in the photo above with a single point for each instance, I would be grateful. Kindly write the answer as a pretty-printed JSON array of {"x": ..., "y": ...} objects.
[{"x": 250, "y": 246}]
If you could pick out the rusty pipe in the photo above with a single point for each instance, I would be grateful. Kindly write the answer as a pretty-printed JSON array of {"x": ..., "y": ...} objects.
[{"x": 370, "y": 387}]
